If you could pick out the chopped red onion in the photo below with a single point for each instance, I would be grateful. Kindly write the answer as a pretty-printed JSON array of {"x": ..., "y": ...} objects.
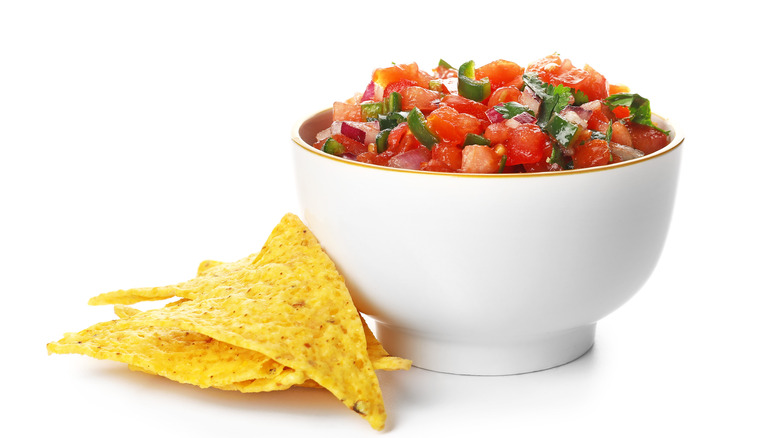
[
  {"x": 593, "y": 105},
  {"x": 370, "y": 92},
  {"x": 530, "y": 99},
  {"x": 412, "y": 159},
  {"x": 577, "y": 115},
  {"x": 512, "y": 123},
  {"x": 364, "y": 132},
  {"x": 494, "y": 116},
  {"x": 353, "y": 132},
  {"x": 325, "y": 133},
  {"x": 584, "y": 113},
  {"x": 525, "y": 118},
  {"x": 624, "y": 153}
]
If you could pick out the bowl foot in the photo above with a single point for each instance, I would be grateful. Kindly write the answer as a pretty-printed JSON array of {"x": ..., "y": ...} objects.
[{"x": 524, "y": 355}]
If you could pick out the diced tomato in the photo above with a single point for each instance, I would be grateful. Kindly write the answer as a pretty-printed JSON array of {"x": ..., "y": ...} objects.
[
  {"x": 465, "y": 105},
  {"x": 444, "y": 123},
  {"x": 594, "y": 85},
  {"x": 500, "y": 73},
  {"x": 591, "y": 154},
  {"x": 543, "y": 165},
  {"x": 504, "y": 94},
  {"x": 621, "y": 112},
  {"x": 396, "y": 134},
  {"x": 319, "y": 143},
  {"x": 347, "y": 112},
  {"x": 552, "y": 70},
  {"x": 424, "y": 99},
  {"x": 449, "y": 156},
  {"x": 382, "y": 159},
  {"x": 442, "y": 72},
  {"x": 395, "y": 73},
  {"x": 350, "y": 146},
  {"x": 646, "y": 138},
  {"x": 435, "y": 165},
  {"x": 367, "y": 157},
  {"x": 525, "y": 144},
  {"x": 452, "y": 126},
  {"x": 600, "y": 116},
  {"x": 620, "y": 134},
  {"x": 480, "y": 159},
  {"x": 399, "y": 86},
  {"x": 497, "y": 133},
  {"x": 545, "y": 67},
  {"x": 400, "y": 140}
]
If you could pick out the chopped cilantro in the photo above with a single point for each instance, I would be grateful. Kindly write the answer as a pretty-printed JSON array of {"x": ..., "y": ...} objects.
[
  {"x": 511, "y": 109},
  {"x": 554, "y": 98},
  {"x": 638, "y": 107}
]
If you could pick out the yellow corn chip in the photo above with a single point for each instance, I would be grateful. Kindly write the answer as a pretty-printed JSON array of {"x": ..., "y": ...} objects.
[
  {"x": 274, "y": 319},
  {"x": 180, "y": 355},
  {"x": 211, "y": 275}
]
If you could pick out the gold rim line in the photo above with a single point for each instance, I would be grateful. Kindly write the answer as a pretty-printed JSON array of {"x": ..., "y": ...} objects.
[{"x": 676, "y": 142}]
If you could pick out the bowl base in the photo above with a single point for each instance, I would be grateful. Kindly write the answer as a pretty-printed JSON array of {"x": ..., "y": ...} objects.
[{"x": 485, "y": 359}]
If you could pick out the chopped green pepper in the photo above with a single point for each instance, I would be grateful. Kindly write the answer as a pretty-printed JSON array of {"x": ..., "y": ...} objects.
[
  {"x": 562, "y": 130},
  {"x": 392, "y": 103},
  {"x": 469, "y": 87},
  {"x": 419, "y": 128},
  {"x": 381, "y": 140},
  {"x": 333, "y": 147},
  {"x": 445, "y": 64},
  {"x": 436, "y": 85},
  {"x": 391, "y": 120},
  {"x": 372, "y": 110},
  {"x": 472, "y": 138}
]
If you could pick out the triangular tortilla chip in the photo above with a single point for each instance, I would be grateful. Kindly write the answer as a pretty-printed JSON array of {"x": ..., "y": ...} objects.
[{"x": 287, "y": 303}]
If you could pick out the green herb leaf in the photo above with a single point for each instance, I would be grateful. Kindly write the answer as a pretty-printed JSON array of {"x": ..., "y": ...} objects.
[
  {"x": 554, "y": 98},
  {"x": 638, "y": 107},
  {"x": 580, "y": 98},
  {"x": 511, "y": 109}
]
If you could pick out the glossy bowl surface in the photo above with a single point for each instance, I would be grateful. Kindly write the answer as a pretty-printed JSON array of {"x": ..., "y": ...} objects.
[{"x": 487, "y": 274}]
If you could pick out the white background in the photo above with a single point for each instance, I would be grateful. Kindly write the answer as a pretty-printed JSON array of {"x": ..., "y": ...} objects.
[{"x": 141, "y": 137}]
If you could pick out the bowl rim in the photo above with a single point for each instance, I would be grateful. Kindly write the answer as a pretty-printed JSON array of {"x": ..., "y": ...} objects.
[{"x": 676, "y": 142}]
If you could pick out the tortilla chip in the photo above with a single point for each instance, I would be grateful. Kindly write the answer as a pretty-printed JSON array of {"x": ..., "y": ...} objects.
[
  {"x": 211, "y": 275},
  {"x": 284, "y": 311}
]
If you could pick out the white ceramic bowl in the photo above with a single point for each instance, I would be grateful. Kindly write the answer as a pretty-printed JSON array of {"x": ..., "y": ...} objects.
[{"x": 487, "y": 274}]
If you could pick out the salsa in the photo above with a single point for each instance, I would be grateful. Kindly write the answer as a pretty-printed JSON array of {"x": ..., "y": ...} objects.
[{"x": 501, "y": 117}]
